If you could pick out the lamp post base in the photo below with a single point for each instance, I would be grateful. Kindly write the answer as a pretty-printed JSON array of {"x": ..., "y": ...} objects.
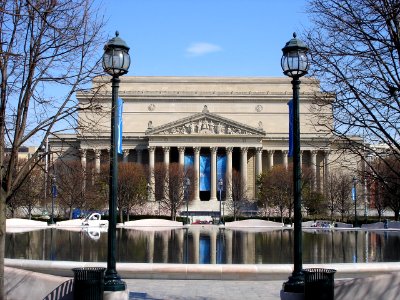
[
  {"x": 113, "y": 283},
  {"x": 295, "y": 284},
  {"x": 120, "y": 295}
]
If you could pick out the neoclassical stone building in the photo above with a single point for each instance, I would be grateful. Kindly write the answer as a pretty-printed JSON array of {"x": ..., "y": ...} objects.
[{"x": 215, "y": 124}]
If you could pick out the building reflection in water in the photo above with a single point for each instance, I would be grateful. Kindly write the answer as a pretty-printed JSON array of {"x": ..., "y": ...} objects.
[{"x": 206, "y": 245}]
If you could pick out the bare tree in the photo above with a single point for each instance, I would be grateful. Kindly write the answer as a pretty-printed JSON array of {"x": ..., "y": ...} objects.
[
  {"x": 31, "y": 191},
  {"x": 344, "y": 203},
  {"x": 239, "y": 195},
  {"x": 390, "y": 186},
  {"x": 169, "y": 183},
  {"x": 333, "y": 194},
  {"x": 69, "y": 179},
  {"x": 132, "y": 187},
  {"x": 355, "y": 52},
  {"x": 45, "y": 46}
]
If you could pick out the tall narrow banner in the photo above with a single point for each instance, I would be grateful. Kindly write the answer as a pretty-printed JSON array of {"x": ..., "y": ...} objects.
[
  {"x": 205, "y": 173},
  {"x": 353, "y": 194},
  {"x": 221, "y": 169},
  {"x": 188, "y": 162},
  {"x": 119, "y": 108},
  {"x": 290, "y": 104}
]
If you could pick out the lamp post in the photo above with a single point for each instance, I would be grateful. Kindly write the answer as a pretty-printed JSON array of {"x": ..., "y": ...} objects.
[
  {"x": 354, "y": 196},
  {"x": 186, "y": 187},
  {"x": 295, "y": 64},
  {"x": 223, "y": 211},
  {"x": 53, "y": 195},
  {"x": 116, "y": 62},
  {"x": 220, "y": 185}
]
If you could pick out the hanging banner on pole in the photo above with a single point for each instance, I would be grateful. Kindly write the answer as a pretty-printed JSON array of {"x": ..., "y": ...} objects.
[
  {"x": 290, "y": 104},
  {"x": 221, "y": 169},
  {"x": 120, "y": 104}
]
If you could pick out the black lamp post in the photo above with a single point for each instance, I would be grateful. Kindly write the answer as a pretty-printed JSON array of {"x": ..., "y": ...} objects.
[
  {"x": 116, "y": 62},
  {"x": 53, "y": 195},
  {"x": 220, "y": 185},
  {"x": 186, "y": 187},
  {"x": 294, "y": 64},
  {"x": 354, "y": 192}
]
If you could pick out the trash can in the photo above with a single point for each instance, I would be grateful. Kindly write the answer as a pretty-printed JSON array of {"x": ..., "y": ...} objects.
[
  {"x": 319, "y": 284},
  {"x": 88, "y": 283}
]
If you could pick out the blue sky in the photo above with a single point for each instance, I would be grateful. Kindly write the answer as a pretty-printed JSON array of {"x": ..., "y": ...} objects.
[{"x": 205, "y": 37}]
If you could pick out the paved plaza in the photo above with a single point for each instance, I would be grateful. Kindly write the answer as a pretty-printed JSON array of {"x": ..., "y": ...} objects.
[{"x": 22, "y": 284}]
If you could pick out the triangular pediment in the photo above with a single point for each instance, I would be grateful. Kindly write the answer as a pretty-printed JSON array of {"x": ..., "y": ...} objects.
[{"x": 205, "y": 123}]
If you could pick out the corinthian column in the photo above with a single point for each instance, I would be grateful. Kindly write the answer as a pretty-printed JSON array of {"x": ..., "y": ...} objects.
[
  {"x": 166, "y": 164},
  {"x": 270, "y": 159},
  {"x": 285, "y": 158},
  {"x": 125, "y": 154},
  {"x": 151, "y": 167},
  {"x": 228, "y": 174},
  {"x": 243, "y": 166},
  {"x": 196, "y": 151},
  {"x": 258, "y": 161},
  {"x": 314, "y": 168},
  {"x": 181, "y": 151},
  {"x": 97, "y": 153},
  {"x": 213, "y": 173}
]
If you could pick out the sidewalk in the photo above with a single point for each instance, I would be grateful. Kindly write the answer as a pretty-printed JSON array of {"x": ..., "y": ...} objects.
[
  {"x": 203, "y": 289},
  {"x": 21, "y": 284}
]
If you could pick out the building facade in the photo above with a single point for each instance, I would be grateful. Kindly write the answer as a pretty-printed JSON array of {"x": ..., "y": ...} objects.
[{"x": 215, "y": 124}]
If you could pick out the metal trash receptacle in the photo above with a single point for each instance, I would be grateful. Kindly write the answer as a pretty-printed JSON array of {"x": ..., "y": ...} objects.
[
  {"x": 319, "y": 284},
  {"x": 88, "y": 283}
]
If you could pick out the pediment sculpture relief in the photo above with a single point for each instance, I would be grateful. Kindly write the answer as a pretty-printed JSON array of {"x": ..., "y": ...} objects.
[{"x": 205, "y": 126}]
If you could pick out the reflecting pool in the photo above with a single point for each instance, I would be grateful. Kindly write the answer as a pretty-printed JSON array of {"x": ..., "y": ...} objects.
[{"x": 206, "y": 245}]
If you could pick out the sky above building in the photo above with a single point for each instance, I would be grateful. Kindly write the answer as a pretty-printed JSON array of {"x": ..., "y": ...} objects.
[{"x": 205, "y": 37}]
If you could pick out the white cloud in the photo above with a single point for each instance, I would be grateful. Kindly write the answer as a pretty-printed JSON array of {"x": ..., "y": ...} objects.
[{"x": 198, "y": 49}]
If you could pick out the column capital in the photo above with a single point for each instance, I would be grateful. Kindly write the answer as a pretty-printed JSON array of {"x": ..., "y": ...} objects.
[
  {"x": 166, "y": 149},
  {"x": 314, "y": 152},
  {"x": 97, "y": 153},
  {"x": 82, "y": 152},
  {"x": 196, "y": 150},
  {"x": 151, "y": 148},
  {"x": 259, "y": 150},
  {"x": 285, "y": 152},
  {"x": 125, "y": 152},
  {"x": 181, "y": 149},
  {"x": 229, "y": 149},
  {"x": 244, "y": 149},
  {"x": 213, "y": 149},
  {"x": 270, "y": 151}
]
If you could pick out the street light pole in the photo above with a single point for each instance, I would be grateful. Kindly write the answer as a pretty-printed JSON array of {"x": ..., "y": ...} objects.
[
  {"x": 294, "y": 64},
  {"x": 220, "y": 185},
  {"x": 354, "y": 192},
  {"x": 53, "y": 195},
  {"x": 186, "y": 187},
  {"x": 116, "y": 62}
]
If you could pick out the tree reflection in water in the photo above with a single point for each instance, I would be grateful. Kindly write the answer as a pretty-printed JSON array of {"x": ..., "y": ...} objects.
[{"x": 206, "y": 244}]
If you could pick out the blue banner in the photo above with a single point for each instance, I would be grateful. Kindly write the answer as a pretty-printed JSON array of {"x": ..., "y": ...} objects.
[
  {"x": 205, "y": 173},
  {"x": 221, "y": 169},
  {"x": 353, "y": 193},
  {"x": 290, "y": 104},
  {"x": 188, "y": 162},
  {"x": 119, "y": 109},
  {"x": 54, "y": 191},
  {"x": 204, "y": 250}
]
